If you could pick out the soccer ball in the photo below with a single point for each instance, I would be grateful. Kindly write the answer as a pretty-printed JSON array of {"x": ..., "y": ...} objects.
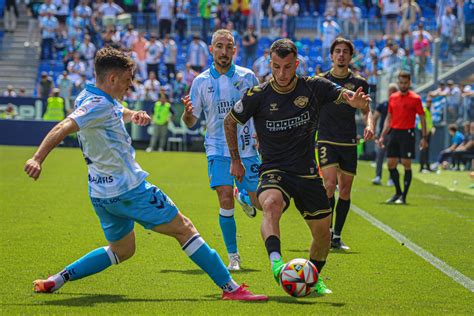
[{"x": 298, "y": 276}]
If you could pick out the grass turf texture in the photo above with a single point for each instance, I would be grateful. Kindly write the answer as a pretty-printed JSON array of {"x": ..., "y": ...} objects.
[{"x": 47, "y": 224}]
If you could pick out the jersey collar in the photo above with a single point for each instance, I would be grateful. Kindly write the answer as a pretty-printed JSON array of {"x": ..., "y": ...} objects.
[
  {"x": 215, "y": 74},
  {"x": 93, "y": 89},
  {"x": 339, "y": 77}
]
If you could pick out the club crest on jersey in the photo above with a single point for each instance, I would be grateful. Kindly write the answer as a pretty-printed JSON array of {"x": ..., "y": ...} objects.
[
  {"x": 349, "y": 86},
  {"x": 301, "y": 101},
  {"x": 238, "y": 107},
  {"x": 237, "y": 84},
  {"x": 273, "y": 107}
]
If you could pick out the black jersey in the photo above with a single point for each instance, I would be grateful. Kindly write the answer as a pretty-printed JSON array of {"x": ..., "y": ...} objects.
[
  {"x": 286, "y": 122},
  {"x": 337, "y": 122}
]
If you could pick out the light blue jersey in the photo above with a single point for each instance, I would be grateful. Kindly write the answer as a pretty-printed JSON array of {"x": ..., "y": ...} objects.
[
  {"x": 215, "y": 94},
  {"x": 105, "y": 144}
]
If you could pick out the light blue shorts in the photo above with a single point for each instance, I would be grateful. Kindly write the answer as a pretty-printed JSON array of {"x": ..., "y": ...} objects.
[
  {"x": 218, "y": 170},
  {"x": 146, "y": 204}
]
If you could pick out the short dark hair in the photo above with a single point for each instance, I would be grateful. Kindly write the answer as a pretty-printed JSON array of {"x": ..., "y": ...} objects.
[
  {"x": 283, "y": 47},
  {"x": 341, "y": 40},
  {"x": 404, "y": 74},
  {"x": 453, "y": 127},
  {"x": 108, "y": 59}
]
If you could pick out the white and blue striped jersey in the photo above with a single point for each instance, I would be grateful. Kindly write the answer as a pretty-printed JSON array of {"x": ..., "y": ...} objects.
[
  {"x": 105, "y": 144},
  {"x": 215, "y": 95}
]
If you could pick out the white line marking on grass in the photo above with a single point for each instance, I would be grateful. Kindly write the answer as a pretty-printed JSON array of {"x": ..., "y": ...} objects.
[{"x": 425, "y": 255}]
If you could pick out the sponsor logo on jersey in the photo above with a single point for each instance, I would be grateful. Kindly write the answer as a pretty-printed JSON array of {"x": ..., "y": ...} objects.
[
  {"x": 80, "y": 111},
  {"x": 273, "y": 107},
  {"x": 301, "y": 101},
  {"x": 238, "y": 107},
  {"x": 283, "y": 125},
  {"x": 101, "y": 180},
  {"x": 224, "y": 106}
]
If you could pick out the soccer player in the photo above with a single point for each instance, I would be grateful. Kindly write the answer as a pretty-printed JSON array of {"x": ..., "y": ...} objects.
[
  {"x": 118, "y": 190},
  {"x": 214, "y": 92},
  {"x": 337, "y": 136},
  {"x": 286, "y": 116},
  {"x": 403, "y": 106}
]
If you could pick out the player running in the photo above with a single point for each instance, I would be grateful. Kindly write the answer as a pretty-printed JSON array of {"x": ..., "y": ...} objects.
[
  {"x": 286, "y": 116},
  {"x": 214, "y": 92},
  {"x": 118, "y": 190},
  {"x": 337, "y": 136}
]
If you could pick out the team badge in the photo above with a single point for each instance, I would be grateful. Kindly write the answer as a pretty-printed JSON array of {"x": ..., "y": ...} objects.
[
  {"x": 237, "y": 84},
  {"x": 80, "y": 111},
  {"x": 238, "y": 107},
  {"x": 349, "y": 86},
  {"x": 273, "y": 107},
  {"x": 301, "y": 101}
]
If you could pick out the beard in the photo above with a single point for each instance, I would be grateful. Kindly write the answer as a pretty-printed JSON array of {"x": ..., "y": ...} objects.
[{"x": 223, "y": 63}]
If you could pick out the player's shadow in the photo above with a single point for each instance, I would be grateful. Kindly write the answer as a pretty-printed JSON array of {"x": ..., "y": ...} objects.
[
  {"x": 198, "y": 271},
  {"x": 311, "y": 300},
  {"x": 90, "y": 300}
]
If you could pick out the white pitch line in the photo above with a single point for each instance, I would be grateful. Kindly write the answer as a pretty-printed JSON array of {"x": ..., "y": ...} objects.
[{"x": 425, "y": 255}]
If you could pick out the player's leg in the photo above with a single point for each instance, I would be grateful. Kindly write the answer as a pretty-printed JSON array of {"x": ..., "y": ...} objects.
[
  {"x": 222, "y": 182},
  {"x": 245, "y": 191},
  {"x": 393, "y": 155},
  {"x": 183, "y": 230},
  {"x": 345, "y": 181},
  {"x": 118, "y": 231},
  {"x": 273, "y": 204},
  {"x": 311, "y": 201},
  {"x": 228, "y": 225},
  {"x": 329, "y": 164},
  {"x": 406, "y": 181}
]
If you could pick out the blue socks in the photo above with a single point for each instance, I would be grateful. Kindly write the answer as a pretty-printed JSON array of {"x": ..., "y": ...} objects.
[
  {"x": 93, "y": 262},
  {"x": 208, "y": 260},
  {"x": 229, "y": 229}
]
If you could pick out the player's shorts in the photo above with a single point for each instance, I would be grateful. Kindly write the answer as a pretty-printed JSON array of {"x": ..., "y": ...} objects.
[
  {"x": 218, "y": 170},
  {"x": 342, "y": 157},
  {"x": 401, "y": 144},
  {"x": 308, "y": 193},
  {"x": 146, "y": 205}
]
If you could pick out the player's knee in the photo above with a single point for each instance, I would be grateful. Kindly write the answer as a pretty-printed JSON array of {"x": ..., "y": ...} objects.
[
  {"x": 345, "y": 193},
  {"x": 124, "y": 252},
  {"x": 330, "y": 187},
  {"x": 273, "y": 206},
  {"x": 186, "y": 230}
]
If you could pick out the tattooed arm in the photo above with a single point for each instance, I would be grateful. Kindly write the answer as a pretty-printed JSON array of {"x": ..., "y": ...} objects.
[{"x": 236, "y": 167}]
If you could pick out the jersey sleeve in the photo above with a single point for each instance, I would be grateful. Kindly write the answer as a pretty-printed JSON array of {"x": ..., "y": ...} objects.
[
  {"x": 327, "y": 91},
  {"x": 245, "y": 108},
  {"x": 91, "y": 113},
  {"x": 196, "y": 98},
  {"x": 419, "y": 107}
]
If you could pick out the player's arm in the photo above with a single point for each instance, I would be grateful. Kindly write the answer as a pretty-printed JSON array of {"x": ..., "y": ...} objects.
[
  {"x": 357, "y": 99},
  {"x": 376, "y": 117},
  {"x": 230, "y": 127},
  {"x": 188, "y": 117},
  {"x": 369, "y": 122},
  {"x": 386, "y": 128},
  {"x": 54, "y": 137},
  {"x": 424, "y": 133},
  {"x": 329, "y": 92},
  {"x": 137, "y": 117}
]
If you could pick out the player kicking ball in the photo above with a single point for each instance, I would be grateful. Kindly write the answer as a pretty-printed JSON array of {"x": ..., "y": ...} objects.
[
  {"x": 286, "y": 111},
  {"x": 118, "y": 190}
]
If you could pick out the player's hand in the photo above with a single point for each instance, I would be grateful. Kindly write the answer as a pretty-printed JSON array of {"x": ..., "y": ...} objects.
[
  {"x": 358, "y": 99},
  {"x": 423, "y": 144},
  {"x": 188, "y": 105},
  {"x": 381, "y": 142},
  {"x": 237, "y": 169},
  {"x": 141, "y": 118},
  {"x": 33, "y": 168},
  {"x": 368, "y": 133}
]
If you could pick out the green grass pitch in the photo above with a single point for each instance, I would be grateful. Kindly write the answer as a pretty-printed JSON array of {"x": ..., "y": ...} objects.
[{"x": 47, "y": 224}]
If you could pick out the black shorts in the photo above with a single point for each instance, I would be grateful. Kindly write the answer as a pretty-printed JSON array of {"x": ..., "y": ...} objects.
[
  {"x": 343, "y": 157},
  {"x": 401, "y": 144},
  {"x": 308, "y": 193}
]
